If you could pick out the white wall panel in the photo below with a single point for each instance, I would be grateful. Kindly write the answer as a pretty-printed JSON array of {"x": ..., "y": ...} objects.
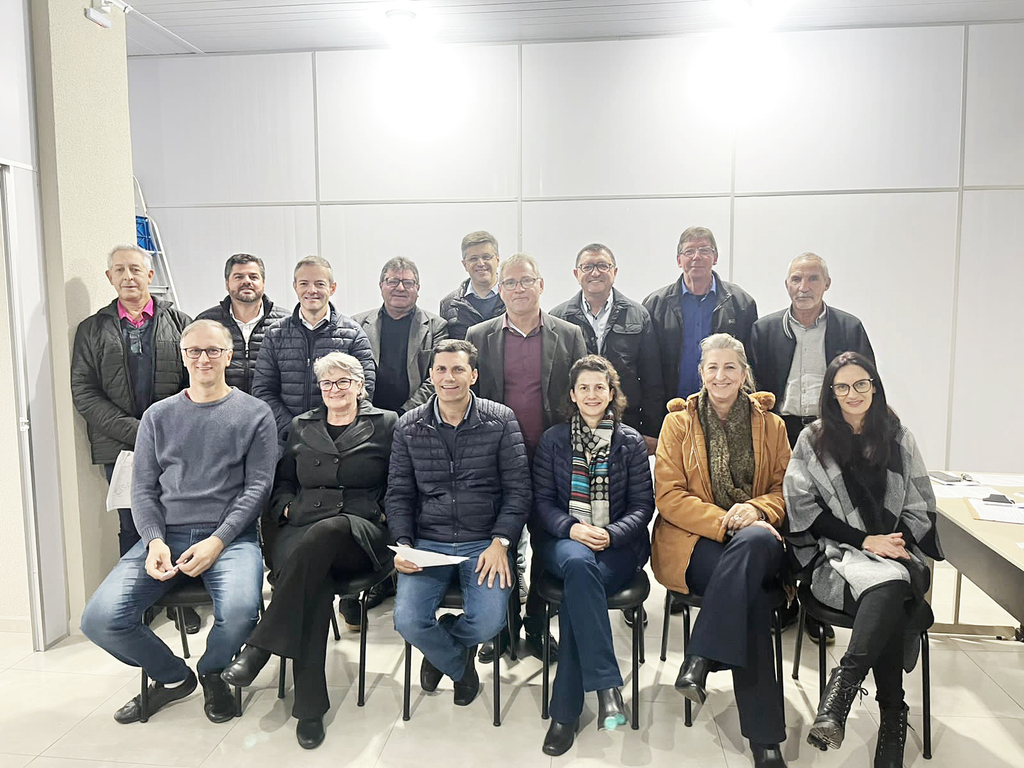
[
  {"x": 994, "y": 151},
  {"x": 436, "y": 124},
  {"x": 358, "y": 239},
  {"x": 624, "y": 118},
  {"x": 987, "y": 416},
  {"x": 199, "y": 240},
  {"x": 891, "y": 259},
  {"x": 641, "y": 233},
  {"x": 235, "y": 129},
  {"x": 16, "y": 139},
  {"x": 852, "y": 109}
]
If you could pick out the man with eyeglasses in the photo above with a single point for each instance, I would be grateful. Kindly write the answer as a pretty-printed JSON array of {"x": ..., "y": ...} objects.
[
  {"x": 247, "y": 312},
  {"x": 620, "y": 330},
  {"x": 525, "y": 357},
  {"x": 284, "y": 369},
  {"x": 203, "y": 469},
  {"x": 692, "y": 308},
  {"x": 402, "y": 337},
  {"x": 124, "y": 359},
  {"x": 477, "y": 298}
]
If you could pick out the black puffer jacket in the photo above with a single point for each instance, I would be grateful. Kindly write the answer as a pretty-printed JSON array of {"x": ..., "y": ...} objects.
[
  {"x": 632, "y": 348},
  {"x": 243, "y": 362},
  {"x": 100, "y": 386},
  {"x": 461, "y": 315},
  {"x": 480, "y": 492},
  {"x": 284, "y": 369}
]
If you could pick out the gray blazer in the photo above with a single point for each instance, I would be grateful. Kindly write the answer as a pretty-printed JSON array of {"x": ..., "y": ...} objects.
[
  {"x": 562, "y": 344},
  {"x": 426, "y": 330}
]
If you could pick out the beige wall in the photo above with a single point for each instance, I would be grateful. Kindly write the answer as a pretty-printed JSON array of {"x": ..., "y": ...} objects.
[{"x": 85, "y": 165}]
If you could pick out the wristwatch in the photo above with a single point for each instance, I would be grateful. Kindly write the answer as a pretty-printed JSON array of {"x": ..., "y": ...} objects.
[{"x": 503, "y": 541}]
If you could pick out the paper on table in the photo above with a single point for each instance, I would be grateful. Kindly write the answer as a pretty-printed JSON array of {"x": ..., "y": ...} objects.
[
  {"x": 425, "y": 559},
  {"x": 961, "y": 491},
  {"x": 998, "y": 513},
  {"x": 1004, "y": 481}
]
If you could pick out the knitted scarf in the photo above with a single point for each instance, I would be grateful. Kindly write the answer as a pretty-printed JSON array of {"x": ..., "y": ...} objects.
[
  {"x": 730, "y": 450},
  {"x": 588, "y": 491}
]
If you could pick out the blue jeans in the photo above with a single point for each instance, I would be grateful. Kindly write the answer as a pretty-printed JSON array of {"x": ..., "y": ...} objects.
[
  {"x": 419, "y": 595},
  {"x": 113, "y": 615},
  {"x": 586, "y": 656}
]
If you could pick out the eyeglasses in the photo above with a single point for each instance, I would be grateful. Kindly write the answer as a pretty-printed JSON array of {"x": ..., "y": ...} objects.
[
  {"x": 863, "y": 386},
  {"x": 705, "y": 251},
  {"x": 473, "y": 260},
  {"x": 342, "y": 384},
  {"x": 526, "y": 282},
  {"x": 394, "y": 282},
  {"x": 194, "y": 353},
  {"x": 601, "y": 266}
]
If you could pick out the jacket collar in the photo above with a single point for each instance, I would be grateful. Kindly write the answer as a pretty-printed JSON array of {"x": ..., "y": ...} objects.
[
  {"x": 332, "y": 316},
  {"x": 315, "y": 434},
  {"x": 158, "y": 306},
  {"x": 429, "y": 419},
  {"x": 268, "y": 305}
]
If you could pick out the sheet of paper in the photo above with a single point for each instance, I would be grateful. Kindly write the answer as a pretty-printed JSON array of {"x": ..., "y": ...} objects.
[
  {"x": 119, "y": 494},
  {"x": 1003, "y": 481},
  {"x": 961, "y": 491},
  {"x": 999, "y": 513},
  {"x": 425, "y": 559}
]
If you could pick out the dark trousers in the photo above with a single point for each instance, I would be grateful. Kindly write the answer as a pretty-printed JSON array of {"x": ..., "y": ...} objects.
[
  {"x": 126, "y": 534},
  {"x": 296, "y": 623},
  {"x": 878, "y": 639},
  {"x": 586, "y": 657},
  {"x": 733, "y": 628}
]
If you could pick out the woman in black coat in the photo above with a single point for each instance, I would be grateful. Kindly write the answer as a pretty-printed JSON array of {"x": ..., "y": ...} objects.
[
  {"x": 328, "y": 503},
  {"x": 593, "y": 501}
]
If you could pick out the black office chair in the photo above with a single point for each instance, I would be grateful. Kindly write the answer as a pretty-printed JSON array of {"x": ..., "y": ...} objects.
[
  {"x": 694, "y": 601},
  {"x": 821, "y": 614},
  {"x": 189, "y": 593},
  {"x": 453, "y": 600},
  {"x": 629, "y": 598},
  {"x": 357, "y": 585}
]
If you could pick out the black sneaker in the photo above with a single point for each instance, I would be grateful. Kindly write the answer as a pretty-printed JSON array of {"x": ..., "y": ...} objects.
[
  {"x": 159, "y": 697},
  {"x": 468, "y": 686},
  {"x": 192, "y": 620},
  {"x": 812, "y": 632},
  {"x": 627, "y": 615},
  {"x": 219, "y": 702},
  {"x": 349, "y": 609}
]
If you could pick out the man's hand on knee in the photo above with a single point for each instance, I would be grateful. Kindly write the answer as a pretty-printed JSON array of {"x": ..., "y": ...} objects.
[
  {"x": 492, "y": 562},
  {"x": 158, "y": 561},
  {"x": 198, "y": 558}
]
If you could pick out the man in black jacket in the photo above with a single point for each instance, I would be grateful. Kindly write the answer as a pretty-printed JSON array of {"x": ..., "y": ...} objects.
[
  {"x": 790, "y": 349},
  {"x": 125, "y": 358},
  {"x": 619, "y": 329},
  {"x": 284, "y": 369},
  {"x": 459, "y": 484},
  {"x": 476, "y": 299},
  {"x": 247, "y": 313},
  {"x": 696, "y": 305}
]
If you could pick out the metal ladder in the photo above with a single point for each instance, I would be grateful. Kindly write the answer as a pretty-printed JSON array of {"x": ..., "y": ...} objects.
[{"x": 147, "y": 234}]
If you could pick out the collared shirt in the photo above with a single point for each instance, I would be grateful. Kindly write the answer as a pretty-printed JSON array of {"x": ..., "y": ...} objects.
[
  {"x": 807, "y": 372},
  {"x": 246, "y": 328},
  {"x": 483, "y": 304},
  {"x": 598, "y": 322},
  {"x": 448, "y": 431},
  {"x": 523, "y": 391},
  {"x": 697, "y": 312},
  {"x": 307, "y": 324},
  {"x": 147, "y": 313}
]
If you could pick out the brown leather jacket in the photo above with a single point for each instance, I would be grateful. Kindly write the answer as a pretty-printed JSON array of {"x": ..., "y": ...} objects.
[{"x": 682, "y": 483}]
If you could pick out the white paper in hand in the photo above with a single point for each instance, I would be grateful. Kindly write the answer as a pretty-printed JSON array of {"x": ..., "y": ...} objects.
[
  {"x": 119, "y": 495},
  {"x": 425, "y": 559}
]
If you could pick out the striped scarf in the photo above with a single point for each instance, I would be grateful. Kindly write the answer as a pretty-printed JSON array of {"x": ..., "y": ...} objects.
[{"x": 588, "y": 491}]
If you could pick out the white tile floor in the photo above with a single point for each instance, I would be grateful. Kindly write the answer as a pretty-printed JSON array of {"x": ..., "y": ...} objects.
[{"x": 56, "y": 707}]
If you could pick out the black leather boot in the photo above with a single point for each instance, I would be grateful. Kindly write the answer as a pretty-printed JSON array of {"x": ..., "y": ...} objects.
[
  {"x": 892, "y": 736},
  {"x": 611, "y": 712},
  {"x": 560, "y": 737},
  {"x": 246, "y": 666},
  {"x": 692, "y": 681},
  {"x": 829, "y": 726},
  {"x": 767, "y": 756}
]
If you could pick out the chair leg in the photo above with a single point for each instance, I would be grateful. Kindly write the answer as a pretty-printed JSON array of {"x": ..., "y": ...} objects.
[
  {"x": 509, "y": 623},
  {"x": 180, "y": 613},
  {"x": 687, "y": 705},
  {"x": 334, "y": 624},
  {"x": 926, "y": 696},
  {"x": 497, "y": 679},
  {"x": 361, "y": 698},
  {"x": 408, "y": 681},
  {"x": 144, "y": 699},
  {"x": 545, "y": 661},
  {"x": 779, "y": 671},
  {"x": 638, "y": 639},
  {"x": 238, "y": 701},
  {"x": 664, "y": 624},
  {"x": 639, "y": 613},
  {"x": 281, "y": 676},
  {"x": 799, "y": 642},
  {"x": 822, "y": 665}
]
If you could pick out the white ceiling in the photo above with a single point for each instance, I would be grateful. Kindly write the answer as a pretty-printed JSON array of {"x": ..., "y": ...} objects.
[{"x": 233, "y": 26}]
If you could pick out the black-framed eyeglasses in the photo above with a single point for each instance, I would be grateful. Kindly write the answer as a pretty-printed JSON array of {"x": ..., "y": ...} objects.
[
  {"x": 862, "y": 385},
  {"x": 601, "y": 266},
  {"x": 526, "y": 282},
  {"x": 341, "y": 384},
  {"x": 394, "y": 282},
  {"x": 705, "y": 250},
  {"x": 194, "y": 353}
]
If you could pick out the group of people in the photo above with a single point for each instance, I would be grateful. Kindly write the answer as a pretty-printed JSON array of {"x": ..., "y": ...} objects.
[{"x": 490, "y": 427}]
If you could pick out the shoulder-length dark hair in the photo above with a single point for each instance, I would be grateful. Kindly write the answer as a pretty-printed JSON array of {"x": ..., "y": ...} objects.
[
  {"x": 834, "y": 437},
  {"x": 600, "y": 365}
]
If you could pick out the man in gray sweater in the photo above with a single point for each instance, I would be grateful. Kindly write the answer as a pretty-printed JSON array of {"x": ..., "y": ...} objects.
[{"x": 204, "y": 466}]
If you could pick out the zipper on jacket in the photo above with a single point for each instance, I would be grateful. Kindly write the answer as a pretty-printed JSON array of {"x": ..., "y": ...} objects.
[{"x": 124, "y": 360}]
